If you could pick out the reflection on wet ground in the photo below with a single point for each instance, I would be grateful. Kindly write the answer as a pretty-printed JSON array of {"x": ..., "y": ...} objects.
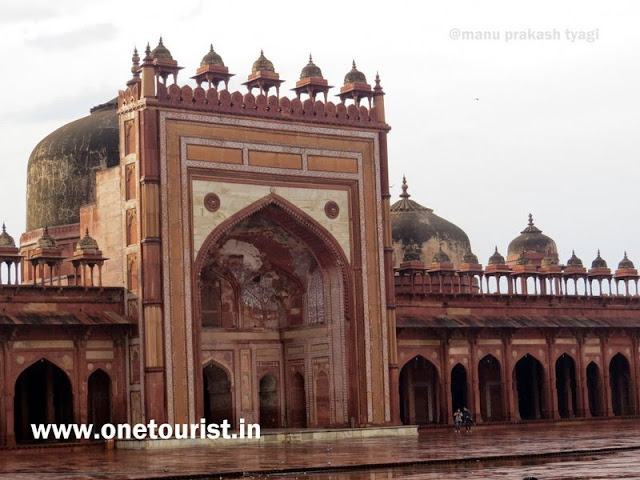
[
  {"x": 481, "y": 454},
  {"x": 624, "y": 465}
]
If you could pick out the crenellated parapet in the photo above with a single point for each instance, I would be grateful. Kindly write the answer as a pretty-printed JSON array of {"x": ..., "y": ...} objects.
[
  {"x": 283, "y": 108},
  {"x": 152, "y": 89}
]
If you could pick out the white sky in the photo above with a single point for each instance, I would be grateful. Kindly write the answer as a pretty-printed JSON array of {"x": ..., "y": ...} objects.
[{"x": 554, "y": 129}]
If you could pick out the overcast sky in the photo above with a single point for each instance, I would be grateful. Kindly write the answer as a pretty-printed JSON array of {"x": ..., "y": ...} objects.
[{"x": 486, "y": 129}]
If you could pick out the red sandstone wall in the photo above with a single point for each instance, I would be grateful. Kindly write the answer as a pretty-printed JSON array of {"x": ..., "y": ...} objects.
[{"x": 105, "y": 222}]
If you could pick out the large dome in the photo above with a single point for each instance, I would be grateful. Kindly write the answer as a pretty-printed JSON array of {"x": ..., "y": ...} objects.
[
  {"x": 62, "y": 167},
  {"x": 533, "y": 243},
  {"x": 417, "y": 230}
]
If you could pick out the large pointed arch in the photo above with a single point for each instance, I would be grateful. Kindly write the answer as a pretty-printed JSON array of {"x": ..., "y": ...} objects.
[{"x": 329, "y": 256}]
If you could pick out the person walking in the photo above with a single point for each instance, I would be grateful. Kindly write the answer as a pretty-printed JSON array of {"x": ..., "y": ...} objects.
[
  {"x": 467, "y": 419},
  {"x": 457, "y": 420}
]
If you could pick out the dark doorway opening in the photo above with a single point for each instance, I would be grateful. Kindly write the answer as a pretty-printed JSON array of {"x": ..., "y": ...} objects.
[
  {"x": 42, "y": 395},
  {"x": 566, "y": 386},
  {"x": 419, "y": 392},
  {"x": 99, "y": 399},
  {"x": 620, "y": 380},
  {"x": 490, "y": 377},
  {"x": 269, "y": 406},
  {"x": 218, "y": 402},
  {"x": 459, "y": 388},
  {"x": 594, "y": 389},
  {"x": 529, "y": 379}
]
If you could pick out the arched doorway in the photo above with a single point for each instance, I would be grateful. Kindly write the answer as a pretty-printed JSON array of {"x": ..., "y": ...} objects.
[
  {"x": 42, "y": 395},
  {"x": 271, "y": 269},
  {"x": 594, "y": 390},
  {"x": 490, "y": 378},
  {"x": 99, "y": 399},
  {"x": 529, "y": 385},
  {"x": 459, "y": 397},
  {"x": 218, "y": 400},
  {"x": 419, "y": 392},
  {"x": 298, "y": 402},
  {"x": 620, "y": 383},
  {"x": 269, "y": 403},
  {"x": 566, "y": 386}
]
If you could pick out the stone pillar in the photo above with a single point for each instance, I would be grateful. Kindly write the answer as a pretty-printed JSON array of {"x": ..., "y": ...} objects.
[
  {"x": 474, "y": 380},
  {"x": 510, "y": 407},
  {"x": 606, "y": 383},
  {"x": 552, "y": 391},
  {"x": 582, "y": 387}
]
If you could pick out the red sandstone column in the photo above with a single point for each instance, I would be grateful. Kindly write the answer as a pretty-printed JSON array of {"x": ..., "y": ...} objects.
[
  {"x": 512, "y": 412},
  {"x": 606, "y": 384},
  {"x": 635, "y": 375},
  {"x": 581, "y": 379},
  {"x": 80, "y": 387},
  {"x": 552, "y": 391},
  {"x": 475, "y": 384}
]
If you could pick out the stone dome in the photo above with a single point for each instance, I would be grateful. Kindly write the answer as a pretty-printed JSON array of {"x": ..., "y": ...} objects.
[
  {"x": 470, "y": 257},
  {"x": 625, "y": 263},
  {"x": 574, "y": 261},
  {"x": 496, "y": 258},
  {"x": 211, "y": 58},
  {"x": 6, "y": 240},
  {"x": 87, "y": 243},
  {"x": 599, "y": 262},
  {"x": 535, "y": 245},
  {"x": 417, "y": 228},
  {"x": 262, "y": 63},
  {"x": 46, "y": 240},
  {"x": 161, "y": 52},
  {"x": 311, "y": 70},
  {"x": 62, "y": 167},
  {"x": 354, "y": 75}
]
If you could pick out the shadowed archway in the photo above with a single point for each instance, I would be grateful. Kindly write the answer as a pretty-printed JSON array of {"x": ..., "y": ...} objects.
[
  {"x": 529, "y": 385},
  {"x": 42, "y": 395},
  {"x": 218, "y": 399},
  {"x": 621, "y": 386},
  {"x": 490, "y": 377},
  {"x": 566, "y": 386},
  {"x": 419, "y": 392}
]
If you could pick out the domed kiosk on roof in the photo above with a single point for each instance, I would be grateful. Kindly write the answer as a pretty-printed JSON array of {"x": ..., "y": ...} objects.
[
  {"x": 416, "y": 229},
  {"x": 534, "y": 245}
]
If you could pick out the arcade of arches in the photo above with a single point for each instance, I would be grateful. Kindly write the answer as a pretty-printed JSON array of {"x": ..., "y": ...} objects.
[
  {"x": 271, "y": 293},
  {"x": 525, "y": 386}
]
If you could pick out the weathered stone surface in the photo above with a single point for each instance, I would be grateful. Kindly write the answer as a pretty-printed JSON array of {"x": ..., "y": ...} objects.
[{"x": 62, "y": 167}]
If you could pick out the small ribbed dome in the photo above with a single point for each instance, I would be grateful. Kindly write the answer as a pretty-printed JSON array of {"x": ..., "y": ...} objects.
[
  {"x": 6, "y": 240},
  {"x": 354, "y": 75},
  {"x": 625, "y": 263},
  {"x": 496, "y": 258},
  {"x": 262, "y": 63},
  {"x": 411, "y": 223},
  {"x": 574, "y": 261},
  {"x": 211, "y": 58},
  {"x": 87, "y": 243},
  {"x": 311, "y": 70},
  {"x": 441, "y": 257},
  {"x": 599, "y": 262},
  {"x": 46, "y": 240},
  {"x": 161, "y": 52},
  {"x": 469, "y": 257},
  {"x": 531, "y": 240}
]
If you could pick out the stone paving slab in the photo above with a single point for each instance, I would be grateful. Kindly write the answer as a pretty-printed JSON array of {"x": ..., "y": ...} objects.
[{"x": 437, "y": 445}]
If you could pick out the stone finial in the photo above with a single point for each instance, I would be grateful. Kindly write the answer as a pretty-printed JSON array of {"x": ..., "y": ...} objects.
[
  {"x": 46, "y": 240},
  {"x": 147, "y": 54},
  {"x": 405, "y": 187}
]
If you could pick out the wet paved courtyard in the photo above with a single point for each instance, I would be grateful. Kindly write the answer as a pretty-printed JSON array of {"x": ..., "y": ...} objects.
[{"x": 498, "y": 452}]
